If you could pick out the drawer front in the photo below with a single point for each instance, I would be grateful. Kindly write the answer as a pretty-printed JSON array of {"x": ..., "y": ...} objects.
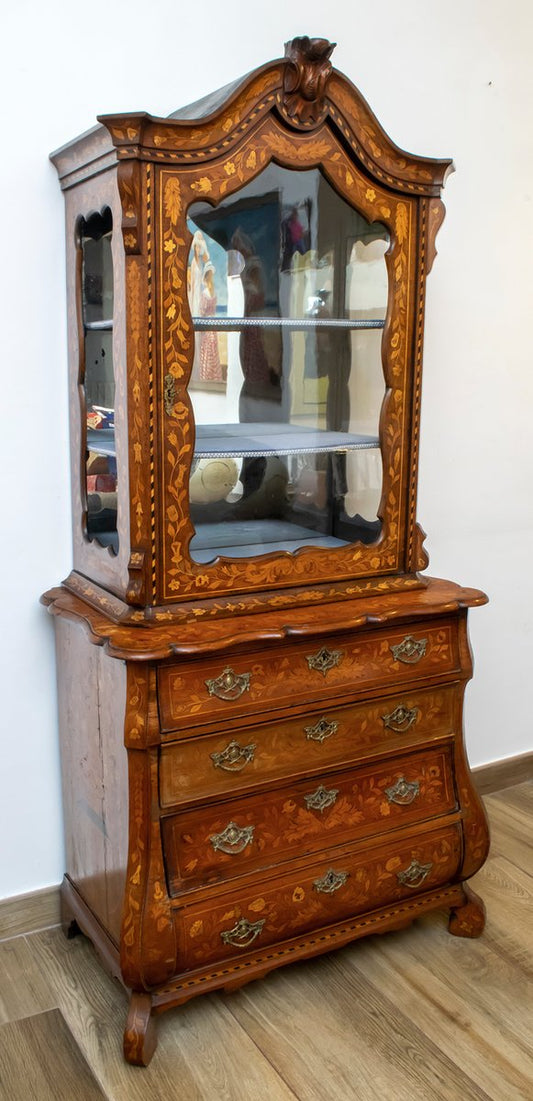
[
  {"x": 223, "y": 764},
  {"x": 295, "y": 675},
  {"x": 223, "y": 841},
  {"x": 333, "y": 890}
]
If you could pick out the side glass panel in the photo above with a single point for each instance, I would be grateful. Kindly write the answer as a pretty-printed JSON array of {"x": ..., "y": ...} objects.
[
  {"x": 99, "y": 380},
  {"x": 288, "y": 290}
]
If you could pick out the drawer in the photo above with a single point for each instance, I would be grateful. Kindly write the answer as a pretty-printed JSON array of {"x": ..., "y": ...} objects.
[
  {"x": 229, "y": 839},
  {"x": 221, "y": 764},
  {"x": 337, "y": 888},
  {"x": 294, "y": 675}
]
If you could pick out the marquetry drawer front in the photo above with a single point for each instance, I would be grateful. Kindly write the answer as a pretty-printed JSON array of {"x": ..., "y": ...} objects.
[
  {"x": 220, "y": 764},
  {"x": 220, "y": 842},
  {"x": 295, "y": 675},
  {"x": 325, "y": 893}
]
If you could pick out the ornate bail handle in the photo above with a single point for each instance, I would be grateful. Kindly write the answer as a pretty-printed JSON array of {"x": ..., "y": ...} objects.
[
  {"x": 324, "y": 660},
  {"x": 414, "y": 875},
  {"x": 321, "y": 730},
  {"x": 321, "y": 798},
  {"x": 229, "y": 685},
  {"x": 401, "y": 719},
  {"x": 330, "y": 882},
  {"x": 403, "y": 791},
  {"x": 243, "y": 933},
  {"x": 234, "y": 757},
  {"x": 233, "y": 839},
  {"x": 409, "y": 650}
]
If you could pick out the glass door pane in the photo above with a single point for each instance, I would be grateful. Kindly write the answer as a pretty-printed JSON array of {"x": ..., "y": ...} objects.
[
  {"x": 288, "y": 291},
  {"x": 99, "y": 378}
]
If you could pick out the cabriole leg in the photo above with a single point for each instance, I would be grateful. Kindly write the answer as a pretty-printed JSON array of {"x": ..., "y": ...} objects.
[{"x": 140, "y": 1034}]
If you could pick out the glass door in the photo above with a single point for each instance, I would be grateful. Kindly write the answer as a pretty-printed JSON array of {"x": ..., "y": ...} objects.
[{"x": 288, "y": 290}]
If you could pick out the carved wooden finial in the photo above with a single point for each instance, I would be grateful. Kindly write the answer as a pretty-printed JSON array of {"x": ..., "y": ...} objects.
[{"x": 306, "y": 75}]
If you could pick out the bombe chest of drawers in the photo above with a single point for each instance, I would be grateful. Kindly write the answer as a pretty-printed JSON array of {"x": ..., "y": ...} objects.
[{"x": 260, "y": 695}]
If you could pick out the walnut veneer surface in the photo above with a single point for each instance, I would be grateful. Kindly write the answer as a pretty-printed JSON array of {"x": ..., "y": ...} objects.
[
  {"x": 241, "y": 840},
  {"x": 263, "y": 755}
]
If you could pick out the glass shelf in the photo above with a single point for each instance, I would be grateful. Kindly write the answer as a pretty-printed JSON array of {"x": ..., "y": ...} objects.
[
  {"x": 105, "y": 326},
  {"x": 101, "y": 441},
  {"x": 296, "y": 324},
  {"x": 217, "y": 441},
  {"x": 240, "y": 539},
  {"x": 247, "y": 440}
]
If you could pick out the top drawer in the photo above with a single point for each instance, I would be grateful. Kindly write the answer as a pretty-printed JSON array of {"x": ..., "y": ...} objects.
[{"x": 292, "y": 675}]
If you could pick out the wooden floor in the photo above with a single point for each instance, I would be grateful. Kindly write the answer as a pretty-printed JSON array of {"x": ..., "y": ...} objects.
[{"x": 409, "y": 1016}]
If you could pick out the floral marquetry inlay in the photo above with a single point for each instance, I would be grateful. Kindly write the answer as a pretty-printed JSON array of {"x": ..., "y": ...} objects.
[
  {"x": 272, "y": 741},
  {"x": 182, "y": 577}
]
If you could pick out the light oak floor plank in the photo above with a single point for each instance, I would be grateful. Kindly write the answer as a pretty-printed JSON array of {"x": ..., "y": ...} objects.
[
  {"x": 474, "y": 1005},
  {"x": 415, "y": 1015},
  {"x": 40, "y": 1061},
  {"x": 346, "y": 1041},
  {"x": 511, "y": 816},
  {"x": 508, "y": 895},
  {"x": 200, "y": 1046},
  {"x": 24, "y": 990}
]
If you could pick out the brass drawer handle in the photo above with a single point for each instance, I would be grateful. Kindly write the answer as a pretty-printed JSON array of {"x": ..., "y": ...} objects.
[
  {"x": 234, "y": 757},
  {"x": 331, "y": 882},
  {"x": 414, "y": 875},
  {"x": 403, "y": 792},
  {"x": 243, "y": 933},
  {"x": 321, "y": 730},
  {"x": 233, "y": 839},
  {"x": 321, "y": 798},
  {"x": 401, "y": 719},
  {"x": 410, "y": 650},
  {"x": 324, "y": 660},
  {"x": 229, "y": 685}
]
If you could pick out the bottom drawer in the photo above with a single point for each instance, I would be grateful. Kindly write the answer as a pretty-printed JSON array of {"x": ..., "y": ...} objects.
[{"x": 340, "y": 886}]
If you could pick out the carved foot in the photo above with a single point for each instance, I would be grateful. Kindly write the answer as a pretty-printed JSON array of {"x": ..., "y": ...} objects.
[
  {"x": 140, "y": 1034},
  {"x": 468, "y": 920}
]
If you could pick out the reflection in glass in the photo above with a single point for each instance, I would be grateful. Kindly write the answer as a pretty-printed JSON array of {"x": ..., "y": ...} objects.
[
  {"x": 288, "y": 290},
  {"x": 99, "y": 378}
]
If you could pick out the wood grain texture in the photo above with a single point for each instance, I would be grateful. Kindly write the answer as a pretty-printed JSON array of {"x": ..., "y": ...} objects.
[
  {"x": 29, "y": 912},
  {"x": 23, "y": 989},
  {"x": 503, "y": 774},
  {"x": 202, "y": 1052},
  {"x": 286, "y": 820},
  {"x": 191, "y": 768},
  {"x": 92, "y": 694},
  {"x": 373, "y": 1049},
  {"x": 285, "y": 676},
  {"x": 230, "y": 633},
  {"x": 40, "y": 1059},
  {"x": 416, "y": 1014},
  {"x": 351, "y": 628}
]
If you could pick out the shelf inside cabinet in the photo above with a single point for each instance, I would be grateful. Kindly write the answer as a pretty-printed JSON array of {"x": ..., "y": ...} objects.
[
  {"x": 295, "y": 324},
  {"x": 105, "y": 326},
  {"x": 241, "y": 538},
  {"x": 241, "y": 440},
  {"x": 248, "y": 440},
  {"x": 101, "y": 441}
]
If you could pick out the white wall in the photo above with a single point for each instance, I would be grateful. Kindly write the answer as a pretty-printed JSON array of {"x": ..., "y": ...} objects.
[{"x": 451, "y": 78}]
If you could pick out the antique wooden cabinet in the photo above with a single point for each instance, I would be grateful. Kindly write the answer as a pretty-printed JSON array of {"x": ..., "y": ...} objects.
[{"x": 260, "y": 696}]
